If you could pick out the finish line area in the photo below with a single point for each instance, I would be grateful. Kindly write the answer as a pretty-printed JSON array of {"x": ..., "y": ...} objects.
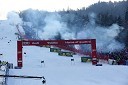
[
  {"x": 57, "y": 66},
  {"x": 20, "y": 45}
]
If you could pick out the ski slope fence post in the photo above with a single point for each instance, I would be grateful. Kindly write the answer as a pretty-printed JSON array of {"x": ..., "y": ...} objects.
[
  {"x": 72, "y": 62},
  {"x": 7, "y": 73}
]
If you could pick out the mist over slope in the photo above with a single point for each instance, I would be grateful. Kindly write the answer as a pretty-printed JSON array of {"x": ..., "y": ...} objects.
[
  {"x": 54, "y": 27},
  {"x": 43, "y": 25}
]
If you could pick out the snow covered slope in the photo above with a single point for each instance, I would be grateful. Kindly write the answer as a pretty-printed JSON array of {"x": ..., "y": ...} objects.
[{"x": 58, "y": 70}]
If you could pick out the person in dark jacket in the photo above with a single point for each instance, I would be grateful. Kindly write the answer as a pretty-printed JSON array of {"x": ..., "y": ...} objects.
[{"x": 44, "y": 80}]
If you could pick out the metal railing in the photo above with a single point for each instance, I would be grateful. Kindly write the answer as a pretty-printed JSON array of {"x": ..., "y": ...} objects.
[{"x": 6, "y": 71}]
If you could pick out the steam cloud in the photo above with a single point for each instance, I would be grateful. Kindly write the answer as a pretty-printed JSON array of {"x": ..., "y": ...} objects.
[
  {"x": 105, "y": 37},
  {"x": 53, "y": 27}
]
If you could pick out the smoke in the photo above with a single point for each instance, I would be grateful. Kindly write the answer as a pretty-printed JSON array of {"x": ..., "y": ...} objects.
[
  {"x": 105, "y": 36},
  {"x": 92, "y": 17},
  {"x": 8, "y": 27},
  {"x": 14, "y": 20},
  {"x": 53, "y": 27}
]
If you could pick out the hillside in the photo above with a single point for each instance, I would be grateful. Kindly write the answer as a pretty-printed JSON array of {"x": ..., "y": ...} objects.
[{"x": 58, "y": 70}]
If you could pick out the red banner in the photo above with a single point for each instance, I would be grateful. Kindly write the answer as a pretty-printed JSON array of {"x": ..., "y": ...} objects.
[{"x": 56, "y": 42}]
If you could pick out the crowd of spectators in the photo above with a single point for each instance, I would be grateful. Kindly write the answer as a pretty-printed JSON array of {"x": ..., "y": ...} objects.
[{"x": 120, "y": 56}]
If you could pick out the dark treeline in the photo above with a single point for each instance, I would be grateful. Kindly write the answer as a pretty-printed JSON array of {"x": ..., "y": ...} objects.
[{"x": 107, "y": 13}]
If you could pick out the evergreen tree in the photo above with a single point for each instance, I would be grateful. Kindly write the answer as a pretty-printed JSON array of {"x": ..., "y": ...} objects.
[
  {"x": 126, "y": 16},
  {"x": 119, "y": 21}
]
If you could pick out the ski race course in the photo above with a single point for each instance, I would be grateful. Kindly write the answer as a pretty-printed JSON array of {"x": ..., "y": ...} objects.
[{"x": 57, "y": 70}]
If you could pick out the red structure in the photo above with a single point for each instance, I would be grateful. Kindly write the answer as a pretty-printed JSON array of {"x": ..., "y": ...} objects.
[{"x": 20, "y": 44}]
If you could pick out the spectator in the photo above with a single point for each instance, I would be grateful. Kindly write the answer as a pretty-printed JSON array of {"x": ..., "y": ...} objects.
[{"x": 44, "y": 80}]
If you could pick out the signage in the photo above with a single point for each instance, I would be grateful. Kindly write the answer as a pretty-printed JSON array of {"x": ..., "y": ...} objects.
[
  {"x": 70, "y": 54},
  {"x": 55, "y": 50}
]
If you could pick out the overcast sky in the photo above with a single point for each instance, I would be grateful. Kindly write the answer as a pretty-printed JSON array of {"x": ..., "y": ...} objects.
[{"x": 49, "y": 5}]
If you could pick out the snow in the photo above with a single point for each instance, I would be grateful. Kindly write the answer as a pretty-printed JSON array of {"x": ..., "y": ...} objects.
[{"x": 58, "y": 70}]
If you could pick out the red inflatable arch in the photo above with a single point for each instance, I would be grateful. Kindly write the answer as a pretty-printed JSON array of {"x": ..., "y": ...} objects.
[{"x": 22, "y": 43}]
